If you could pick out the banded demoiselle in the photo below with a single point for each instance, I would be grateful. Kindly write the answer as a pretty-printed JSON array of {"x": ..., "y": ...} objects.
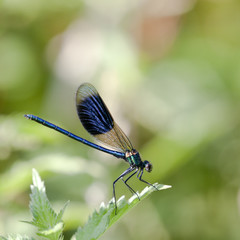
[{"x": 97, "y": 120}]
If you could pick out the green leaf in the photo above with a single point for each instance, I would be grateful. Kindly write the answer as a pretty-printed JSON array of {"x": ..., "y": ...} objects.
[
  {"x": 59, "y": 216},
  {"x": 100, "y": 221},
  {"x": 47, "y": 221},
  {"x": 16, "y": 237}
]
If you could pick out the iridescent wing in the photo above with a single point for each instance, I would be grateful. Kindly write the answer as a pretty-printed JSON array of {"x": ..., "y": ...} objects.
[{"x": 97, "y": 120}]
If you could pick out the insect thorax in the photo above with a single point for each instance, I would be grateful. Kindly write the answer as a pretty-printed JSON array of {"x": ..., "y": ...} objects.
[{"x": 133, "y": 158}]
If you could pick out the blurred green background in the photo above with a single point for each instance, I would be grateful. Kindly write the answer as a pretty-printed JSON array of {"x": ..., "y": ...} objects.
[{"x": 169, "y": 71}]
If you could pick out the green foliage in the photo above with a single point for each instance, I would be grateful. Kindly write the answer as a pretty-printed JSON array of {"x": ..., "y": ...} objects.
[
  {"x": 100, "y": 221},
  {"x": 16, "y": 237},
  {"x": 49, "y": 223}
]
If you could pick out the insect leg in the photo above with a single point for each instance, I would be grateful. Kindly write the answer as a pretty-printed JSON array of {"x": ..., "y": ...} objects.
[
  {"x": 130, "y": 188},
  {"x": 130, "y": 169},
  {"x": 142, "y": 180}
]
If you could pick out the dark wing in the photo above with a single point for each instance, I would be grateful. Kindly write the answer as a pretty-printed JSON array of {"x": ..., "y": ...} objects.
[{"x": 97, "y": 120}]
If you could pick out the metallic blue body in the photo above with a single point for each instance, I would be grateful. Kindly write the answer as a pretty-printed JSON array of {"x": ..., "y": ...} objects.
[
  {"x": 97, "y": 120},
  {"x": 71, "y": 135}
]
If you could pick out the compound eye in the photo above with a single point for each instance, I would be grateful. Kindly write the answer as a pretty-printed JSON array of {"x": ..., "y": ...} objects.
[{"x": 148, "y": 166}]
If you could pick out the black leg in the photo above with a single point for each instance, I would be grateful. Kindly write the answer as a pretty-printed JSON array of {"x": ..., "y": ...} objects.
[
  {"x": 130, "y": 169},
  {"x": 130, "y": 188},
  {"x": 140, "y": 178}
]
